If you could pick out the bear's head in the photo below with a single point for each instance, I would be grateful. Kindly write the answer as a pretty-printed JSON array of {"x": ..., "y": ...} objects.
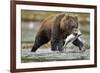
[{"x": 69, "y": 24}]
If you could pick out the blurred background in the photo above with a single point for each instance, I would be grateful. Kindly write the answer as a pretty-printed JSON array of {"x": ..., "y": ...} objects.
[{"x": 30, "y": 23}]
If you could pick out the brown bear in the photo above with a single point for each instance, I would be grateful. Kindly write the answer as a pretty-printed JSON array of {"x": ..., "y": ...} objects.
[{"x": 55, "y": 28}]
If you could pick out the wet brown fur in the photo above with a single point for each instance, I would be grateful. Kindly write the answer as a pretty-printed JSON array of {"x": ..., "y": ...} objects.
[{"x": 55, "y": 28}]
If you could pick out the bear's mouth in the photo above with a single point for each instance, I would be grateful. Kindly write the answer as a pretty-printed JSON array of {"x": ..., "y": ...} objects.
[
  {"x": 75, "y": 34},
  {"x": 75, "y": 31}
]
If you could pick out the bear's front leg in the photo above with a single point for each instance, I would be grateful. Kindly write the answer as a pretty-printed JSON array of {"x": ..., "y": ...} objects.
[
  {"x": 60, "y": 46},
  {"x": 54, "y": 46}
]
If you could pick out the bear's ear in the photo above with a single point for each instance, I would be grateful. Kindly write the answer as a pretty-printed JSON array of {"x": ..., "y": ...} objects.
[
  {"x": 61, "y": 15},
  {"x": 68, "y": 17},
  {"x": 76, "y": 17}
]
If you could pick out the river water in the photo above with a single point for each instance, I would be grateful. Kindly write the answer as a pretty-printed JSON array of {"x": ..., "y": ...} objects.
[{"x": 43, "y": 55}]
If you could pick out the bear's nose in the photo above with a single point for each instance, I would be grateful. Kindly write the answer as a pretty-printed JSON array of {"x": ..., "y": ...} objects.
[{"x": 75, "y": 34}]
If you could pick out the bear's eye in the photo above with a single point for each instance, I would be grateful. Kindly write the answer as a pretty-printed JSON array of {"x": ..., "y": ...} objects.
[{"x": 74, "y": 24}]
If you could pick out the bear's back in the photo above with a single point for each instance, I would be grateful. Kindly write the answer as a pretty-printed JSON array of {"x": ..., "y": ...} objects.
[{"x": 47, "y": 22}]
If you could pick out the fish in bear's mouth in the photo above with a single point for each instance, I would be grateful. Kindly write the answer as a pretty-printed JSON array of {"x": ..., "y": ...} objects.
[{"x": 75, "y": 39}]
